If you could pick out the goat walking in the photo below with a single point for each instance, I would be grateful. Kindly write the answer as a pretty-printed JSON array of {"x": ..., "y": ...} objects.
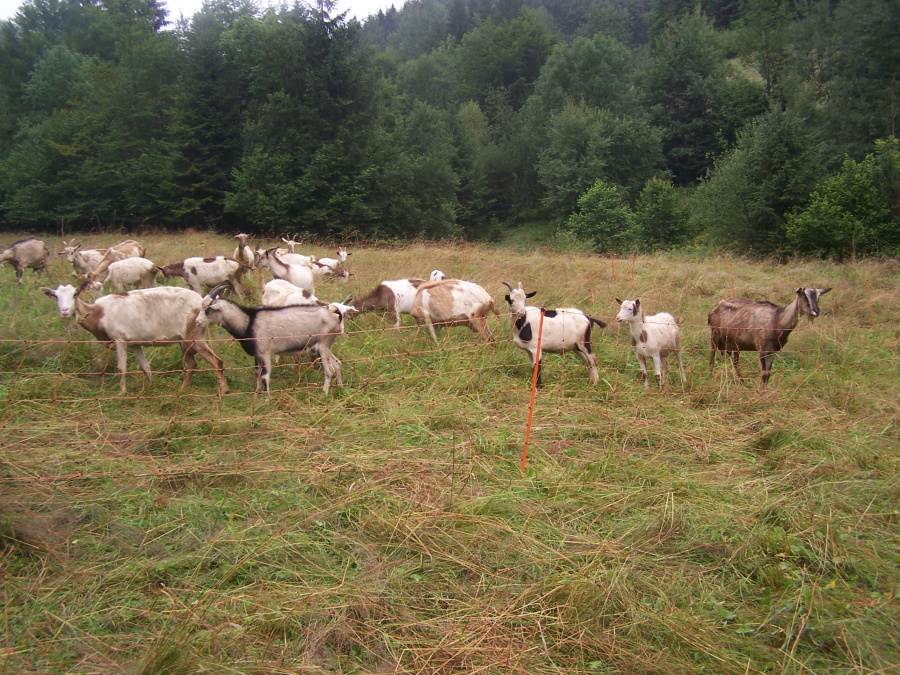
[
  {"x": 655, "y": 336},
  {"x": 738, "y": 324}
]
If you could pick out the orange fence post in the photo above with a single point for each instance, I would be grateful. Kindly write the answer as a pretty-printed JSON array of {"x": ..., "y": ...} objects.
[{"x": 534, "y": 379}]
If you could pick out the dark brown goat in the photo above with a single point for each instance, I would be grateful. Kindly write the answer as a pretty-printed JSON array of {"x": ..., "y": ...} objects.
[{"x": 737, "y": 325}]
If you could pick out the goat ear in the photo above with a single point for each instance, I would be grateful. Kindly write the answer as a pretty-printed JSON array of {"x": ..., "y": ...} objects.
[
  {"x": 618, "y": 302},
  {"x": 508, "y": 299},
  {"x": 637, "y": 303},
  {"x": 822, "y": 291},
  {"x": 531, "y": 295},
  {"x": 49, "y": 292},
  {"x": 800, "y": 291}
]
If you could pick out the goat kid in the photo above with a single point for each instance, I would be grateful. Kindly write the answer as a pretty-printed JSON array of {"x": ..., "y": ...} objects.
[
  {"x": 565, "y": 329},
  {"x": 145, "y": 318},
  {"x": 655, "y": 336},
  {"x": 738, "y": 324},
  {"x": 264, "y": 332}
]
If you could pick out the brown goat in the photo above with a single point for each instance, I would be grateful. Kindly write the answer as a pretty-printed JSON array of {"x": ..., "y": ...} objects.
[
  {"x": 737, "y": 325},
  {"x": 26, "y": 253}
]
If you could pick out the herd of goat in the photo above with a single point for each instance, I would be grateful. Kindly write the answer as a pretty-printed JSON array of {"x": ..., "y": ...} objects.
[{"x": 292, "y": 320}]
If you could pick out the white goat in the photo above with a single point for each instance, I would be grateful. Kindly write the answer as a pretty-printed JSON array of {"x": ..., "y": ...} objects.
[
  {"x": 264, "y": 332},
  {"x": 436, "y": 275},
  {"x": 280, "y": 293},
  {"x": 565, "y": 329},
  {"x": 395, "y": 294},
  {"x": 453, "y": 302},
  {"x": 145, "y": 318},
  {"x": 26, "y": 253},
  {"x": 208, "y": 272},
  {"x": 289, "y": 255},
  {"x": 654, "y": 336},
  {"x": 124, "y": 249},
  {"x": 334, "y": 262},
  {"x": 299, "y": 275},
  {"x": 129, "y": 272}
]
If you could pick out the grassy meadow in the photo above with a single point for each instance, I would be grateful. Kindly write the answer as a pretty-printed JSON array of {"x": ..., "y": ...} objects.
[{"x": 713, "y": 527}]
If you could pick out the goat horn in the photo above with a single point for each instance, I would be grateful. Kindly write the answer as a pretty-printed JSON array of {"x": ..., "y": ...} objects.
[{"x": 214, "y": 293}]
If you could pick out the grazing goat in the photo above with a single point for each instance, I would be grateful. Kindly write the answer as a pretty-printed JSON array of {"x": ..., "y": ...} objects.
[
  {"x": 453, "y": 302},
  {"x": 264, "y": 332},
  {"x": 146, "y": 318},
  {"x": 396, "y": 295},
  {"x": 299, "y": 275},
  {"x": 654, "y": 336},
  {"x": 737, "y": 325},
  {"x": 565, "y": 329},
  {"x": 27, "y": 253},
  {"x": 129, "y": 272},
  {"x": 243, "y": 253},
  {"x": 208, "y": 272}
]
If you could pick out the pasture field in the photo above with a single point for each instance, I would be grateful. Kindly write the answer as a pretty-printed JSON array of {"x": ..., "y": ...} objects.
[{"x": 386, "y": 528}]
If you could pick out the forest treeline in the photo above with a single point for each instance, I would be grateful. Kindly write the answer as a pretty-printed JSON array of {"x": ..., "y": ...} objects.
[{"x": 768, "y": 126}]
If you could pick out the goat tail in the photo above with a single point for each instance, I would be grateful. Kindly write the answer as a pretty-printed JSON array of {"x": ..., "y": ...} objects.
[{"x": 600, "y": 323}]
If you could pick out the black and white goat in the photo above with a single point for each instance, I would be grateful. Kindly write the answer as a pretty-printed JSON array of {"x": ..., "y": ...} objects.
[
  {"x": 264, "y": 332},
  {"x": 655, "y": 336},
  {"x": 565, "y": 329}
]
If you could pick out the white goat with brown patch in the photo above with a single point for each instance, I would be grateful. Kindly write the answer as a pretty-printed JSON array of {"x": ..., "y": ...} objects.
[
  {"x": 453, "y": 302},
  {"x": 395, "y": 294},
  {"x": 200, "y": 273},
  {"x": 565, "y": 329},
  {"x": 738, "y": 324},
  {"x": 24, "y": 254},
  {"x": 655, "y": 336},
  {"x": 149, "y": 317}
]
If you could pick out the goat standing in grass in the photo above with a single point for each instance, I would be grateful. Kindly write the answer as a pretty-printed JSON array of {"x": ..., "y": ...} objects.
[
  {"x": 263, "y": 332},
  {"x": 738, "y": 324},
  {"x": 654, "y": 336},
  {"x": 150, "y": 317},
  {"x": 27, "y": 253},
  {"x": 565, "y": 329}
]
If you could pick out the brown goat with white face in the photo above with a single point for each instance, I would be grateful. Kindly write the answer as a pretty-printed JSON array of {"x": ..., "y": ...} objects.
[{"x": 738, "y": 324}]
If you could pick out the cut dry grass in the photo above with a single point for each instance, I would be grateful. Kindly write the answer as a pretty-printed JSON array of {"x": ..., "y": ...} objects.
[{"x": 713, "y": 527}]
